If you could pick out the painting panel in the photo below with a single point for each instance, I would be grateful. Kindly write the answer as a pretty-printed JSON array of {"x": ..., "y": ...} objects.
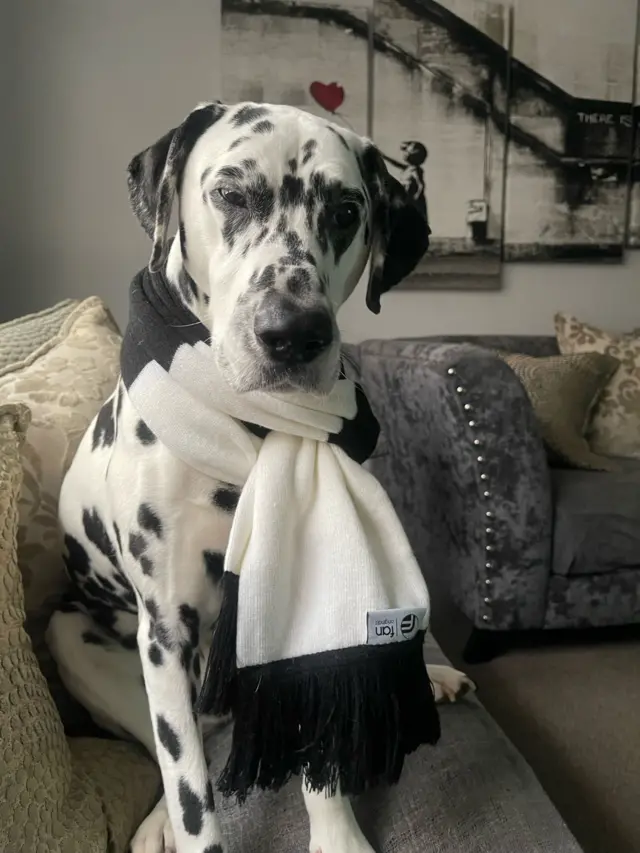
[{"x": 440, "y": 108}]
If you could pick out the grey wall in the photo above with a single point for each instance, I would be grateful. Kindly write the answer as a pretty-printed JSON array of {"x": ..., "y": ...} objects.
[
  {"x": 86, "y": 84},
  {"x": 90, "y": 83}
]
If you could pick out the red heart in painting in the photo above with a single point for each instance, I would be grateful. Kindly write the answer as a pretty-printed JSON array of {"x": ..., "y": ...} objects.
[{"x": 329, "y": 95}]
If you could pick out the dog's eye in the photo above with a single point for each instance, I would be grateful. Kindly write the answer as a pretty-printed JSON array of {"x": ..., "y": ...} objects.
[
  {"x": 345, "y": 215},
  {"x": 233, "y": 197}
]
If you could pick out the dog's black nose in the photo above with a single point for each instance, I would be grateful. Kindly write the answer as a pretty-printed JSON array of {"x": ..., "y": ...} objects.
[{"x": 292, "y": 335}]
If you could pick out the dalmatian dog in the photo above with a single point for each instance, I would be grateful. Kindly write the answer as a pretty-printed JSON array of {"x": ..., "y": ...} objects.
[{"x": 278, "y": 214}]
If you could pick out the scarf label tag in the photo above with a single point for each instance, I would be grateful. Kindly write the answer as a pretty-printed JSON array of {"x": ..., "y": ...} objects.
[{"x": 393, "y": 626}]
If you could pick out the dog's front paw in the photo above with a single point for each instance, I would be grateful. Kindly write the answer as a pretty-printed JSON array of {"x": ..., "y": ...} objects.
[
  {"x": 449, "y": 684},
  {"x": 155, "y": 834}
]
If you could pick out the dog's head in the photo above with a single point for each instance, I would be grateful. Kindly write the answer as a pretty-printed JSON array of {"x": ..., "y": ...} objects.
[{"x": 278, "y": 213}]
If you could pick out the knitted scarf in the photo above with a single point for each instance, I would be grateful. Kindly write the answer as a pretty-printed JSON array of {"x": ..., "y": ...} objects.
[{"x": 318, "y": 648}]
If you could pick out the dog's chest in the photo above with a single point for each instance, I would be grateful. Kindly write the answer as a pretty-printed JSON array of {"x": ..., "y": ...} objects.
[{"x": 135, "y": 509}]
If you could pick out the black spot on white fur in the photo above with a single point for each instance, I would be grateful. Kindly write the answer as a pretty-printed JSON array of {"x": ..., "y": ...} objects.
[
  {"x": 247, "y": 114},
  {"x": 144, "y": 434},
  {"x": 183, "y": 239},
  {"x": 209, "y": 801},
  {"x": 264, "y": 126},
  {"x": 146, "y": 565},
  {"x": 76, "y": 558},
  {"x": 168, "y": 737},
  {"x": 149, "y": 520},
  {"x": 155, "y": 654},
  {"x": 191, "y": 621},
  {"x": 226, "y": 498},
  {"x": 192, "y": 808},
  {"x": 137, "y": 545},
  {"x": 213, "y": 564},
  {"x": 116, "y": 530},
  {"x": 213, "y": 848},
  {"x": 96, "y": 533},
  {"x": 104, "y": 429},
  {"x": 308, "y": 150}
]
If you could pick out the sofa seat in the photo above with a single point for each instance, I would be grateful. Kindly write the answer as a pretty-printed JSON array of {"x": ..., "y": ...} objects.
[{"x": 596, "y": 521}]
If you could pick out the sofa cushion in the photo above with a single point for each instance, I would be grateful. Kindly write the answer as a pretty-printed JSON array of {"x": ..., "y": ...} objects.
[
  {"x": 22, "y": 337},
  {"x": 63, "y": 382},
  {"x": 57, "y": 795},
  {"x": 615, "y": 426},
  {"x": 563, "y": 390},
  {"x": 597, "y": 520},
  {"x": 473, "y": 792}
]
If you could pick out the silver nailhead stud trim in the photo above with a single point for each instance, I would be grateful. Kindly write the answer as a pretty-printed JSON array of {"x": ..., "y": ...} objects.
[
  {"x": 484, "y": 476},
  {"x": 490, "y": 514},
  {"x": 477, "y": 442},
  {"x": 472, "y": 424},
  {"x": 488, "y": 581},
  {"x": 489, "y": 565},
  {"x": 451, "y": 371},
  {"x": 486, "y": 494},
  {"x": 460, "y": 389},
  {"x": 467, "y": 407},
  {"x": 489, "y": 531},
  {"x": 487, "y": 601},
  {"x": 485, "y": 618},
  {"x": 481, "y": 460},
  {"x": 489, "y": 548}
]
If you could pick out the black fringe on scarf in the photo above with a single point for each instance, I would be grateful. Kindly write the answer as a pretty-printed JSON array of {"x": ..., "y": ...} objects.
[{"x": 346, "y": 718}]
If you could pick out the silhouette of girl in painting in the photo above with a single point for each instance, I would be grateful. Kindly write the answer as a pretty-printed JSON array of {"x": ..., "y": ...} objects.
[{"x": 414, "y": 154}]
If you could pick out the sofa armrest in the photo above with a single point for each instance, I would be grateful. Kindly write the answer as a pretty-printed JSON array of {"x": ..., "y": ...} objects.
[{"x": 466, "y": 469}]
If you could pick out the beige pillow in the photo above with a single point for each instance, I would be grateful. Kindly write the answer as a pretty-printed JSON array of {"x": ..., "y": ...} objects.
[
  {"x": 563, "y": 390},
  {"x": 80, "y": 795},
  {"x": 64, "y": 383},
  {"x": 615, "y": 425},
  {"x": 21, "y": 337}
]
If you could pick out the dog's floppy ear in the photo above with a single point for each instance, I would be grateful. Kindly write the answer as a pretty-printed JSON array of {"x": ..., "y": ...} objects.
[
  {"x": 155, "y": 174},
  {"x": 400, "y": 233}
]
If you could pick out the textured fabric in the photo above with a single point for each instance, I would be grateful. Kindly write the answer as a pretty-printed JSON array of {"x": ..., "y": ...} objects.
[
  {"x": 563, "y": 390},
  {"x": 593, "y": 601},
  {"x": 615, "y": 426},
  {"x": 20, "y": 339},
  {"x": 426, "y": 394},
  {"x": 64, "y": 383},
  {"x": 597, "y": 522},
  {"x": 466, "y": 470},
  {"x": 56, "y": 795},
  {"x": 316, "y": 607},
  {"x": 473, "y": 793}
]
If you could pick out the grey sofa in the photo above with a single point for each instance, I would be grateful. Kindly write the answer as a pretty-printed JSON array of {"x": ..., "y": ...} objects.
[{"x": 519, "y": 545}]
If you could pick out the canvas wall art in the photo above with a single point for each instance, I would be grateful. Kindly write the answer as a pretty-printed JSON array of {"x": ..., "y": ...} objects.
[
  {"x": 571, "y": 129},
  {"x": 311, "y": 55},
  {"x": 509, "y": 122},
  {"x": 439, "y": 117}
]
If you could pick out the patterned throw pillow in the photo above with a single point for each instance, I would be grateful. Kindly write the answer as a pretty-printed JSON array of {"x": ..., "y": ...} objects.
[
  {"x": 563, "y": 390},
  {"x": 615, "y": 426},
  {"x": 59, "y": 795},
  {"x": 63, "y": 382},
  {"x": 21, "y": 337}
]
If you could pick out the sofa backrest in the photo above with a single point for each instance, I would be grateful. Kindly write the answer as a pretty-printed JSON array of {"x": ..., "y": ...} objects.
[{"x": 536, "y": 345}]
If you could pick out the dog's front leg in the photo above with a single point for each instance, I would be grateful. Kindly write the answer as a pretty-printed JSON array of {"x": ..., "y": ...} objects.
[
  {"x": 332, "y": 823},
  {"x": 167, "y": 646}
]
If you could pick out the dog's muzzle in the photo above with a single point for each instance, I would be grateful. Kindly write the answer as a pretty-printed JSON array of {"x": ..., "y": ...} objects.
[{"x": 291, "y": 335}]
